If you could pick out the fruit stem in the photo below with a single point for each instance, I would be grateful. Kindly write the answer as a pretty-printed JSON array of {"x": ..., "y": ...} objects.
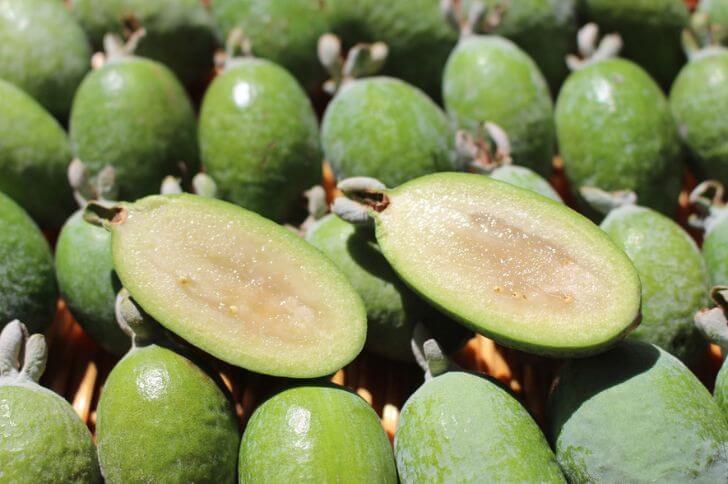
[
  {"x": 604, "y": 202},
  {"x": 14, "y": 340},
  {"x": 713, "y": 323},
  {"x": 428, "y": 353},
  {"x": 237, "y": 46},
  {"x": 589, "y": 51},
  {"x": 702, "y": 37},
  {"x": 485, "y": 151},
  {"x": 116, "y": 48},
  {"x": 361, "y": 60},
  {"x": 708, "y": 199},
  {"x": 479, "y": 19},
  {"x": 140, "y": 327},
  {"x": 363, "y": 197}
]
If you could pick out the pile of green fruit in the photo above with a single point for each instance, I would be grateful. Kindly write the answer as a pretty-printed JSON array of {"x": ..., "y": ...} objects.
[{"x": 162, "y": 167}]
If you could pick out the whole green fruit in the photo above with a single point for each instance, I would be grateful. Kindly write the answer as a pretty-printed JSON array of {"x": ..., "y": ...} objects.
[
  {"x": 523, "y": 177},
  {"x": 489, "y": 78},
  {"x": 34, "y": 154},
  {"x": 134, "y": 115},
  {"x": 384, "y": 128},
  {"x": 43, "y": 51},
  {"x": 715, "y": 250},
  {"x": 259, "y": 138},
  {"x": 315, "y": 433},
  {"x": 616, "y": 132},
  {"x": 636, "y": 414}
]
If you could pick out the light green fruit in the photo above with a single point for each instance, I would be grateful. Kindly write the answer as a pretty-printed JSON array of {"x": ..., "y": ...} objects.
[
  {"x": 715, "y": 251},
  {"x": 717, "y": 11},
  {"x": 523, "y": 177},
  {"x": 315, "y": 433}
]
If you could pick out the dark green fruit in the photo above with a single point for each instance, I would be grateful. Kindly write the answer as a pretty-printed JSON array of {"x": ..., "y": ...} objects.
[
  {"x": 27, "y": 282},
  {"x": 284, "y": 31},
  {"x": 489, "y": 78},
  {"x": 238, "y": 286},
  {"x": 616, "y": 132},
  {"x": 315, "y": 433},
  {"x": 384, "y": 128},
  {"x": 715, "y": 251},
  {"x": 636, "y": 414},
  {"x": 650, "y": 29},
  {"x": 43, "y": 51},
  {"x": 34, "y": 154},
  {"x": 259, "y": 138},
  {"x": 43, "y": 440},
  {"x": 134, "y": 115},
  {"x": 523, "y": 177},
  {"x": 712, "y": 218}
]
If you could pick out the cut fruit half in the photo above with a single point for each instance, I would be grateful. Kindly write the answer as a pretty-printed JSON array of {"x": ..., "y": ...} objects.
[
  {"x": 237, "y": 285},
  {"x": 509, "y": 263}
]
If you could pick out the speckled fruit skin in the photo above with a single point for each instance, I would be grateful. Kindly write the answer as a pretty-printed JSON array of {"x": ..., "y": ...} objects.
[
  {"x": 699, "y": 101},
  {"x": 43, "y": 51},
  {"x": 650, "y": 29},
  {"x": 459, "y": 427},
  {"x": 86, "y": 280},
  {"x": 616, "y": 132},
  {"x": 393, "y": 309},
  {"x": 720, "y": 393},
  {"x": 717, "y": 11},
  {"x": 27, "y": 280},
  {"x": 489, "y": 78},
  {"x": 675, "y": 280},
  {"x": 384, "y": 128},
  {"x": 636, "y": 414},
  {"x": 34, "y": 154},
  {"x": 161, "y": 419},
  {"x": 315, "y": 433},
  {"x": 134, "y": 115},
  {"x": 168, "y": 24},
  {"x": 523, "y": 177},
  {"x": 43, "y": 440},
  {"x": 259, "y": 138},
  {"x": 284, "y": 31},
  {"x": 715, "y": 252}
]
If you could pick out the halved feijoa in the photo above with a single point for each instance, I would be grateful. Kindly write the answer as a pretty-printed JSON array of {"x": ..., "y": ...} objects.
[
  {"x": 237, "y": 285},
  {"x": 507, "y": 262}
]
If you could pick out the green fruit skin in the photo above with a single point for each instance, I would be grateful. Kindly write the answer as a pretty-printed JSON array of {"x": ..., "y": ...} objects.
[
  {"x": 523, "y": 177},
  {"x": 285, "y": 32},
  {"x": 259, "y": 138},
  {"x": 161, "y": 419},
  {"x": 43, "y": 440},
  {"x": 715, "y": 252},
  {"x": 675, "y": 280},
  {"x": 134, "y": 115},
  {"x": 27, "y": 279},
  {"x": 720, "y": 392},
  {"x": 717, "y": 11},
  {"x": 650, "y": 29},
  {"x": 384, "y": 128},
  {"x": 392, "y": 308},
  {"x": 459, "y": 427},
  {"x": 43, "y": 51},
  {"x": 616, "y": 132},
  {"x": 315, "y": 433},
  {"x": 699, "y": 101},
  {"x": 168, "y": 24},
  {"x": 34, "y": 154},
  {"x": 636, "y": 414},
  {"x": 489, "y": 78},
  {"x": 86, "y": 280}
]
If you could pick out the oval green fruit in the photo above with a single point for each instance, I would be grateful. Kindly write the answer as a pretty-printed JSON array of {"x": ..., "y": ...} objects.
[
  {"x": 315, "y": 433},
  {"x": 238, "y": 286},
  {"x": 384, "y": 128},
  {"x": 636, "y": 414},
  {"x": 259, "y": 138},
  {"x": 134, "y": 115},
  {"x": 523, "y": 177},
  {"x": 715, "y": 251},
  {"x": 616, "y": 132}
]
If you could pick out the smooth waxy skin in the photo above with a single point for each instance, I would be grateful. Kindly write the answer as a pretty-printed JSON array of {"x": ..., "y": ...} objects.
[
  {"x": 259, "y": 138},
  {"x": 636, "y": 414},
  {"x": 523, "y": 177},
  {"x": 459, "y": 427},
  {"x": 284, "y": 31},
  {"x": 699, "y": 98},
  {"x": 384, "y": 128},
  {"x": 134, "y": 115},
  {"x": 86, "y": 280},
  {"x": 34, "y": 154},
  {"x": 650, "y": 29},
  {"x": 616, "y": 132},
  {"x": 27, "y": 280},
  {"x": 489, "y": 78},
  {"x": 315, "y": 434},
  {"x": 238, "y": 286},
  {"x": 715, "y": 252},
  {"x": 43, "y": 51},
  {"x": 162, "y": 419}
]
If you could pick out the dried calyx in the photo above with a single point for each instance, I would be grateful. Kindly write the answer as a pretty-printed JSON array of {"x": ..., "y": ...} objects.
[
  {"x": 362, "y": 198},
  {"x": 713, "y": 323},
  {"x": 428, "y": 353},
  {"x": 702, "y": 36},
  {"x": 589, "y": 51},
  {"x": 202, "y": 184},
  {"x": 237, "y": 46},
  {"x": 86, "y": 187},
  {"x": 117, "y": 48},
  {"x": 485, "y": 151},
  {"x": 709, "y": 202},
  {"x": 140, "y": 327},
  {"x": 479, "y": 19},
  {"x": 22, "y": 358},
  {"x": 361, "y": 60},
  {"x": 604, "y": 202}
]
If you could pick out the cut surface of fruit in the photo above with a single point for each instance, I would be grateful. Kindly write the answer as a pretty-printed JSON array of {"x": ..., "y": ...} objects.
[
  {"x": 237, "y": 285},
  {"x": 511, "y": 264}
]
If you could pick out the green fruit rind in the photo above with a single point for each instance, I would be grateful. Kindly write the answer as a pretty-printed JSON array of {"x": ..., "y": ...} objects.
[
  {"x": 526, "y": 178},
  {"x": 715, "y": 252},
  {"x": 315, "y": 433},
  {"x": 459, "y": 427},
  {"x": 161, "y": 419},
  {"x": 717, "y": 11},
  {"x": 636, "y": 414},
  {"x": 205, "y": 268},
  {"x": 720, "y": 393}
]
